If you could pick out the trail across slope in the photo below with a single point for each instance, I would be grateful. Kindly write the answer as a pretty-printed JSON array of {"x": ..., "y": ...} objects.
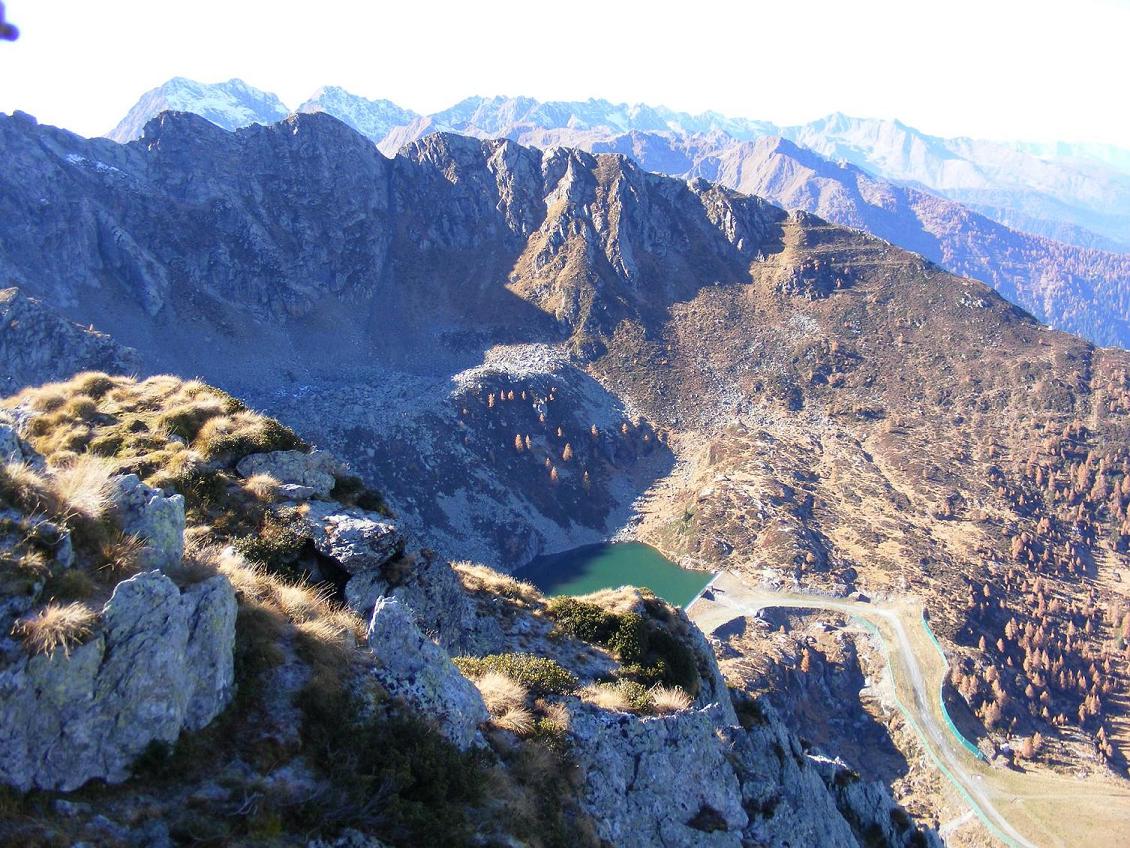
[{"x": 917, "y": 670}]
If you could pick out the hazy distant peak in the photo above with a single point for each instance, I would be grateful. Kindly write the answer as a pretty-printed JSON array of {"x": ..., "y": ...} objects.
[
  {"x": 230, "y": 105},
  {"x": 372, "y": 118}
]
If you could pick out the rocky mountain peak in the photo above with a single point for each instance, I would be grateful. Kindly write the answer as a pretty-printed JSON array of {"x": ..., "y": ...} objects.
[
  {"x": 372, "y": 118},
  {"x": 229, "y": 105}
]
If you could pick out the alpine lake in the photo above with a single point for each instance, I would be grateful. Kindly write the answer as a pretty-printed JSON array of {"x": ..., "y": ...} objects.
[{"x": 609, "y": 565}]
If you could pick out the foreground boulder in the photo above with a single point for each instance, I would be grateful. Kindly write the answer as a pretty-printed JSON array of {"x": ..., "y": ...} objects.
[
  {"x": 154, "y": 517},
  {"x": 313, "y": 473},
  {"x": 160, "y": 662},
  {"x": 414, "y": 668},
  {"x": 357, "y": 540}
]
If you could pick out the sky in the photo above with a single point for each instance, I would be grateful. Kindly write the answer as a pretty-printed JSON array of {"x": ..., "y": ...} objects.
[{"x": 1003, "y": 69}]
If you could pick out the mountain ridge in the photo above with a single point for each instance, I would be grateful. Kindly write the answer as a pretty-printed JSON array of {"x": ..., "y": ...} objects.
[
  {"x": 1078, "y": 289},
  {"x": 747, "y": 389},
  {"x": 1030, "y": 184}
]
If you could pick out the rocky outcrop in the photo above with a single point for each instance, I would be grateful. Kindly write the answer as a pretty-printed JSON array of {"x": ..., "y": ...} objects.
[
  {"x": 38, "y": 345},
  {"x": 154, "y": 517},
  {"x": 659, "y": 781},
  {"x": 429, "y": 588},
  {"x": 159, "y": 662},
  {"x": 13, "y": 448},
  {"x": 313, "y": 474},
  {"x": 690, "y": 779},
  {"x": 356, "y": 540},
  {"x": 866, "y": 806},
  {"x": 413, "y": 668}
]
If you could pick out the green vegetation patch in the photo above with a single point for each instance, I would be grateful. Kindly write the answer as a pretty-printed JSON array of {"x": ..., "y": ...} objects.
[
  {"x": 648, "y": 653},
  {"x": 542, "y": 675}
]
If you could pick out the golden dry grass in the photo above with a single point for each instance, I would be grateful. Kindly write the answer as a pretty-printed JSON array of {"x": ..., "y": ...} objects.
[
  {"x": 480, "y": 578},
  {"x": 144, "y": 422},
  {"x": 123, "y": 553},
  {"x": 556, "y": 716},
  {"x": 501, "y": 692},
  {"x": 300, "y": 602},
  {"x": 262, "y": 487},
  {"x": 669, "y": 699},
  {"x": 25, "y": 487},
  {"x": 619, "y": 601},
  {"x": 84, "y": 487},
  {"x": 517, "y": 720},
  {"x": 307, "y": 606},
  {"x": 606, "y": 696},
  {"x": 56, "y": 626}
]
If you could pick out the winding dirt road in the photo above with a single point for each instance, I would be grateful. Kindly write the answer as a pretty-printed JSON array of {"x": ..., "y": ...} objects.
[{"x": 729, "y": 598}]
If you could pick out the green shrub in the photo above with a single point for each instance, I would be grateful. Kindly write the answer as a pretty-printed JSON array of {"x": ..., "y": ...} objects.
[
  {"x": 69, "y": 584},
  {"x": 201, "y": 485},
  {"x": 648, "y": 652},
  {"x": 589, "y": 622},
  {"x": 636, "y": 694},
  {"x": 395, "y": 776},
  {"x": 542, "y": 675},
  {"x": 276, "y": 546},
  {"x": 631, "y": 638}
]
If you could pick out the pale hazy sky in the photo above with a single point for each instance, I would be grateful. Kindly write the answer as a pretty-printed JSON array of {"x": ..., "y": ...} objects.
[{"x": 1030, "y": 69}]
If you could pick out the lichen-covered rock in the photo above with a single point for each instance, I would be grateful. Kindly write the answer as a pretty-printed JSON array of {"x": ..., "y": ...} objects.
[
  {"x": 156, "y": 518},
  {"x": 713, "y": 685},
  {"x": 357, "y": 540},
  {"x": 691, "y": 779},
  {"x": 19, "y": 589},
  {"x": 787, "y": 800},
  {"x": 657, "y": 781},
  {"x": 316, "y": 470},
  {"x": 431, "y": 590},
  {"x": 414, "y": 668},
  {"x": 160, "y": 662},
  {"x": 12, "y": 446}
]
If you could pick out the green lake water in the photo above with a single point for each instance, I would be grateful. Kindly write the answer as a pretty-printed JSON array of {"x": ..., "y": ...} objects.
[{"x": 611, "y": 565}]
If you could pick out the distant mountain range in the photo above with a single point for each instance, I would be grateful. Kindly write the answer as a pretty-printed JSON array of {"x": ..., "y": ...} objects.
[{"x": 879, "y": 176}]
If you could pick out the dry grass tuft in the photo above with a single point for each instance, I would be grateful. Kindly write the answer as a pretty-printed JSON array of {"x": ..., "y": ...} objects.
[
  {"x": 95, "y": 383},
  {"x": 300, "y": 601},
  {"x": 84, "y": 487},
  {"x": 619, "y": 601},
  {"x": 123, "y": 554},
  {"x": 556, "y": 716},
  {"x": 480, "y": 578},
  {"x": 48, "y": 398},
  {"x": 606, "y": 696},
  {"x": 669, "y": 699},
  {"x": 262, "y": 487},
  {"x": 501, "y": 692},
  {"x": 23, "y": 486},
  {"x": 56, "y": 626},
  {"x": 80, "y": 406},
  {"x": 517, "y": 720}
]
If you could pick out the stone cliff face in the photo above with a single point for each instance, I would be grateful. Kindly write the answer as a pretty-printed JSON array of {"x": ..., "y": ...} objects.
[
  {"x": 159, "y": 665},
  {"x": 156, "y": 661},
  {"x": 37, "y": 345},
  {"x": 346, "y": 223}
]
